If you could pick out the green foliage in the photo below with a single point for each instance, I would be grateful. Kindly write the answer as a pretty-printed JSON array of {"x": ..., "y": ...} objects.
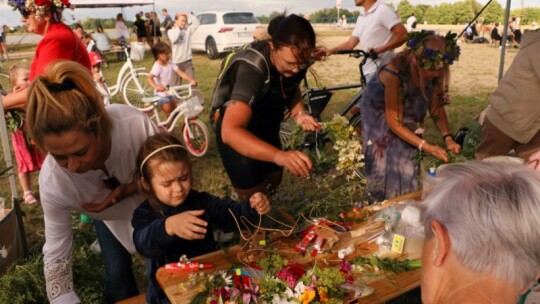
[
  {"x": 328, "y": 278},
  {"x": 269, "y": 286},
  {"x": 273, "y": 263},
  {"x": 387, "y": 264}
]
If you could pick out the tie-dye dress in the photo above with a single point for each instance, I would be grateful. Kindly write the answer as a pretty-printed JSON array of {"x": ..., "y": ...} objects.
[{"x": 389, "y": 161}]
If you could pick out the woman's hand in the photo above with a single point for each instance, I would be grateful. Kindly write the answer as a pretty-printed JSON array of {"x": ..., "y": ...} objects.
[
  {"x": 109, "y": 201},
  {"x": 260, "y": 202},
  {"x": 436, "y": 151},
  {"x": 296, "y": 162},
  {"x": 187, "y": 225},
  {"x": 308, "y": 122},
  {"x": 452, "y": 145}
]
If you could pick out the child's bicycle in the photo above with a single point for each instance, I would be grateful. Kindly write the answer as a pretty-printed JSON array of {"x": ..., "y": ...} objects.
[
  {"x": 316, "y": 100},
  {"x": 193, "y": 131},
  {"x": 131, "y": 81}
]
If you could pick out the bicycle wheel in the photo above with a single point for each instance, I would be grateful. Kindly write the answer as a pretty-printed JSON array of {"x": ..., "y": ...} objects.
[
  {"x": 197, "y": 144},
  {"x": 4, "y": 81},
  {"x": 134, "y": 89}
]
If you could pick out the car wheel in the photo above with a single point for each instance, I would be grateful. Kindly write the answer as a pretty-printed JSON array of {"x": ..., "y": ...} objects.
[{"x": 211, "y": 49}]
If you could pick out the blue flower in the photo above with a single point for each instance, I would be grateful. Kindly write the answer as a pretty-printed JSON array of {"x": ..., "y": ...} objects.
[
  {"x": 429, "y": 53},
  {"x": 412, "y": 43}
]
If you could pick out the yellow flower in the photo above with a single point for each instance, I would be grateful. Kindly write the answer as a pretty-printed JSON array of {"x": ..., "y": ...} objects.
[
  {"x": 323, "y": 295},
  {"x": 307, "y": 296}
]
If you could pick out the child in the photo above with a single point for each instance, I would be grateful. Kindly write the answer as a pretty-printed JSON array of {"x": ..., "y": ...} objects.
[
  {"x": 28, "y": 157},
  {"x": 161, "y": 76},
  {"x": 96, "y": 61},
  {"x": 176, "y": 220}
]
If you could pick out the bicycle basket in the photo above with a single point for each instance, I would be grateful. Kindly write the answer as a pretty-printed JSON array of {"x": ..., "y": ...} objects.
[
  {"x": 137, "y": 51},
  {"x": 318, "y": 101}
]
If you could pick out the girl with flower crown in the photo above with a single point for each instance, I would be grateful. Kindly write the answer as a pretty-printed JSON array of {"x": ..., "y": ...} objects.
[
  {"x": 394, "y": 107},
  {"x": 44, "y": 17}
]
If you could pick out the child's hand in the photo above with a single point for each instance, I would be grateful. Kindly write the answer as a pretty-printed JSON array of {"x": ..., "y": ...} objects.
[
  {"x": 161, "y": 89},
  {"x": 260, "y": 202},
  {"x": 187, "y": 225},
  {"x": 193, "y": 83},
  {"x": 19, "y": 87},
  {"x": 97, "y": 76}
]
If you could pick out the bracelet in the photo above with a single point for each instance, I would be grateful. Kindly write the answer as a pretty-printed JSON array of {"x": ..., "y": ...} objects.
[
  {"x": 421, "y": 144},
  {"x": 446, "y": 135}
]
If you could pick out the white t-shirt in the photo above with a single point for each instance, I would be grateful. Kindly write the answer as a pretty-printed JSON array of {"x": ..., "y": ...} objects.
[
  {"x": 62, "y": 191},
  {"x": 373, "y": 29},
  {"x": 163, "y": 75},
  {"x": 181, "y": 41},
  {"x": 122, "y": 30}
]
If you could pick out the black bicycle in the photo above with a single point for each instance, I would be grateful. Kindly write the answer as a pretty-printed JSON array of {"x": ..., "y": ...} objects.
[{"x": 316, "y": 100}]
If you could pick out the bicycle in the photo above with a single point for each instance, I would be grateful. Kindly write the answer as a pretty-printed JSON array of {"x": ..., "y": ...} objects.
[
  {"x": 316, "y": 100},
  {"x": 193, "y": 131},
  {"x": 131, "y": 81}
]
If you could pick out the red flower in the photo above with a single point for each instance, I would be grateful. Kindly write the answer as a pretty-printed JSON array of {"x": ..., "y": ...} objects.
[
  {"x": 47, "y": 3},
  {"x": 66, "y": 3}
]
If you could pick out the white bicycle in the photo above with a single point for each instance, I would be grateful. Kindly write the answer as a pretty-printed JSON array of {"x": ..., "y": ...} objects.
[
  {"x": 192, "y": 130},
  {"x": 131, "y": 81}
]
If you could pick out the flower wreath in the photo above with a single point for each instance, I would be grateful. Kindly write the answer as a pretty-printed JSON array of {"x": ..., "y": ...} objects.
[
  {"x": 429, "y": 58},
  {"x": 40, "y": 7}
]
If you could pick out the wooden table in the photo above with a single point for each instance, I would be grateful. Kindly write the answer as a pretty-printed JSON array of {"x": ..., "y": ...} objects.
[{"x": 386, "y": 286}]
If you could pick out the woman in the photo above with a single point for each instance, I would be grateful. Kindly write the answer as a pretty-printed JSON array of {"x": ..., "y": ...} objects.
[
  {"x": 58, "y": 42},
  {"x": 248, "y": 128},
  {"x": 140, "y": 28},
  {"x": 86, "y": 172},
  {"x": 122, "y": 32},
  {"x": 393, "y": 110},
  {"x": 481, "y": 227},
  {"x": 102, "y": 39}
]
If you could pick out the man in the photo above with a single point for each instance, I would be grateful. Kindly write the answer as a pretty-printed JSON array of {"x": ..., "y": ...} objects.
[
  {"x": 378, "y": 29},
  {"x": 167, "y": 22},
  {"x": 512, "y": 119},
  {"x": 180, "y": 37}
]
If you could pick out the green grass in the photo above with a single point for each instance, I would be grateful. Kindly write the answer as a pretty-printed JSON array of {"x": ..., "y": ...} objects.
[{"x": 210, "y": 176}]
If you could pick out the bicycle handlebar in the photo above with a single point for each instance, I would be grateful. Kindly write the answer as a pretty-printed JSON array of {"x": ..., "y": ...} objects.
[
  {"x": 359, "y": 53},
  {"x": 180, "y": 91}
]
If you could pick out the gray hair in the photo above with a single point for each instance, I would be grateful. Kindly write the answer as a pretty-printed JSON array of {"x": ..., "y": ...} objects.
[{"x": 492, "y": 214}]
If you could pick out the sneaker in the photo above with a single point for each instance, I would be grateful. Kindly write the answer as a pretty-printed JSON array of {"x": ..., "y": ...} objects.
[{"x": 29, "y": 198}]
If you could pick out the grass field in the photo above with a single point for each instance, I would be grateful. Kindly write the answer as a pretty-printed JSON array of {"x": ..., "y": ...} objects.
[{"x": 474, "y": 77}]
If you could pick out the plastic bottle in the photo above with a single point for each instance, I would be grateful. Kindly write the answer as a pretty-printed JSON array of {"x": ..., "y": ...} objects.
[{"x": 428, "y": 182}]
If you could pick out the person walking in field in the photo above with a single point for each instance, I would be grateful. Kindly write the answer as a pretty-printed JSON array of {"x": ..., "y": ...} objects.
[{"x": 180, "y": 37}]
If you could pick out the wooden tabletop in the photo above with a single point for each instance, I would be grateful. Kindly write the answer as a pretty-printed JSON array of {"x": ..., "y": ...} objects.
[{"x": 387, "y": 286}]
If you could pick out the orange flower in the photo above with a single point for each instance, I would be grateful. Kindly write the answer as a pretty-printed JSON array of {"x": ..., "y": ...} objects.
[
  {"x": 307, "y": 296},
  {"x": 323, "y": 295}
]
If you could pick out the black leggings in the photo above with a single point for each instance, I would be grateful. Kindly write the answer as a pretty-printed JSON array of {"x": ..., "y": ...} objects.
[{"x": 244, "y": 172}]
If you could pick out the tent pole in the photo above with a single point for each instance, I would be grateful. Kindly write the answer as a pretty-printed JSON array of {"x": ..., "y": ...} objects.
[{"x": 505, "y": 34}]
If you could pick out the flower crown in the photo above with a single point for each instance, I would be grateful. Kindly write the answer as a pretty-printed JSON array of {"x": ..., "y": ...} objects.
[
  {"x": 40, "y": 7},
  {"x": 433, "y": 59}
]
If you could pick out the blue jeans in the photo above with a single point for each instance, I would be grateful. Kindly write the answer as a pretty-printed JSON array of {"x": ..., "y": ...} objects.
[{"x": 119, "y": 280}]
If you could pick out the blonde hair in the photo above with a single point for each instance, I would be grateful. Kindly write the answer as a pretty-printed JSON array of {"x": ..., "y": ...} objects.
[
  {"x": 63, "y": 99},
  {"x": 15, "y": 70}
]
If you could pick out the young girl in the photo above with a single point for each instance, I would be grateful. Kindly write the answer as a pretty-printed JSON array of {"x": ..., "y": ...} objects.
[
  {"x": 28, "y": 157},
  {"x": 176, "y": 220},
  {"x": 96, "y": 61},
  {"x": 161, "y": 75}
]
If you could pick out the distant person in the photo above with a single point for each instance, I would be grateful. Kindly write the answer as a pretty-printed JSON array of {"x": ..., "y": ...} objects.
[
  {"x": 89, "y": 42},
  {"x": 180, "y": 37},
  {"x": 512, "y": 121},
  {"x": 156, "y": 28},
  {"x": 379, "y": 29},
  {"x": 495, "y": 34},
  {"x": 177, "y": 220},
  {"x": 3, "y": 52},
  {"x": 102, "y": 39},
  {"x": 411, "y": 22},
  {"x": 122, "y": 32},
  {"x": 344, "y": 24},
  {"x": 96, "y": 62},
  {"x": 167, "y": 22},
  {"x": 481, "y": 236},
  {"x": 79, "y": 31},
  {"x": 140, "y": 28},
  {"x": 29, "y": 158},
  {"x": 149, "y": 23}
]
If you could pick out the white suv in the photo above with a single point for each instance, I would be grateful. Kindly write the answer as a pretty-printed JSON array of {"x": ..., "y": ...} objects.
[{"x": 220, "y": 32}]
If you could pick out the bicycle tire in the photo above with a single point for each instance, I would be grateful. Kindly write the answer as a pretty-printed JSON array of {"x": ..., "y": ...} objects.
[
  {"x": 198, "y": 145},
  {"x": 131, "y": 94}
]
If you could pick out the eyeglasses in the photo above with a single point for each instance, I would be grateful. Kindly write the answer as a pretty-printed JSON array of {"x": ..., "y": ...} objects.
[{"x": 289, "y": 66}]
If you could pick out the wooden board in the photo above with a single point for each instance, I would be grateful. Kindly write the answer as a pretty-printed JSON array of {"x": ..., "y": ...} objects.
[{"x": 386, "y": 286}]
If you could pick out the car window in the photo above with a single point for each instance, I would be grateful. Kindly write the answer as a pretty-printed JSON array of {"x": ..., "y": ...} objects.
[
  {"x": 239, "y": 18},
  {"x": 207, "y": 18}
]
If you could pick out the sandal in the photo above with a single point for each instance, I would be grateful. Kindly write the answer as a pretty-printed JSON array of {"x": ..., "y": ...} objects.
[{"x": 29, "y": 198}]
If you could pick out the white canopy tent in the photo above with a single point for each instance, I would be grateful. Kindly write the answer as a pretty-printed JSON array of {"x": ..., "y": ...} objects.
[{"x": 107, "y": 3}]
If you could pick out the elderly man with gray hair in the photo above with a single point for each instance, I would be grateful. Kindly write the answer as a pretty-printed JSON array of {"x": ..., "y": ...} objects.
[{"x": 482, "y": 236}]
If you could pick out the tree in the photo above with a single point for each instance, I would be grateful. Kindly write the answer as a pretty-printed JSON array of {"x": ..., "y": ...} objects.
[
  {"x": 404, "y": 10},
  {"x": 494, "y": 12}
]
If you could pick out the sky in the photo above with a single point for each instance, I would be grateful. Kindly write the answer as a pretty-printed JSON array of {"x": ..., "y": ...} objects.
[{"x": 259, "y": 7}]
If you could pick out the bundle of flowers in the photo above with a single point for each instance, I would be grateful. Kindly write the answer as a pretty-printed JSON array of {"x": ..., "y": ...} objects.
[{"x": 275, "y": 280}]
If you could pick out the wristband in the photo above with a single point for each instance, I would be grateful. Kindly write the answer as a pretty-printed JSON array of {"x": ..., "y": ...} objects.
[
  {"x": 421, "y": 144},
  {"x": 446, "y": 135}
]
